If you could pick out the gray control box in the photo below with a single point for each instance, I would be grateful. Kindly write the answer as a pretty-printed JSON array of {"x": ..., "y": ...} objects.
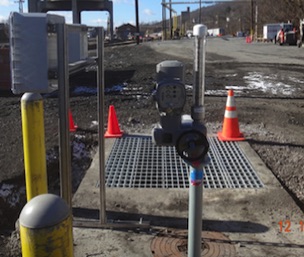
[{"x": 30, "y": 39}]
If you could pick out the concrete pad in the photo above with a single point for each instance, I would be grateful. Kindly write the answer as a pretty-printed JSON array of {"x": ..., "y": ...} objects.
[{"x": 248, "y": 217}]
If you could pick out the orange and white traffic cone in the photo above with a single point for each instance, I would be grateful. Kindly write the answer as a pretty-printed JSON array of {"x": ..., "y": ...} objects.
[
  {"x": 231, "y": 131},
  {"x": 73, "y": 127},
  {"x": 113, "y": 126}
]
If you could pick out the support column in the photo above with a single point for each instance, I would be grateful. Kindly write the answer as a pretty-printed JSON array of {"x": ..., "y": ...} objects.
[{"x": 76, "y": 19}]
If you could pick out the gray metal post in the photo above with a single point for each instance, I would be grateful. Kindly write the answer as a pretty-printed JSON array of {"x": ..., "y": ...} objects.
[
  {"x": 64, "y": 105},
  {"x": 100, "y": 108},
  {"x": 195, "y": 213},
  {"x": 32, "y": 5},
  {"x": 75, "y": 13},
  {"x": 110, "y": 10}
]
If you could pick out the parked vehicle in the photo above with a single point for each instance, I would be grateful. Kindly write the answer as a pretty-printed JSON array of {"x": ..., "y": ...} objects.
[
  {"x": 270, "y": 31},
  {"x": 286, "y": 37},
  {"x": 189, "y": 33},
  {"x": 216, "y": 32}
]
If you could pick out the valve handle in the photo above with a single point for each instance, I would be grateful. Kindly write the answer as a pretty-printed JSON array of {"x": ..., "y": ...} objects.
[{"x": 192, "y": 146}]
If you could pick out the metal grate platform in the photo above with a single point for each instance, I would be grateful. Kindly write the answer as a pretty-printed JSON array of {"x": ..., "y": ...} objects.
[{"x": 135, "y": 162}]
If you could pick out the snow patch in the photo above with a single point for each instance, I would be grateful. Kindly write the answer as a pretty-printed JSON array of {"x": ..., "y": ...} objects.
[
  {"x": 267, "y": 84},
  {"x": 231, "y": 75},
  {"x": 11, "y": 193}
]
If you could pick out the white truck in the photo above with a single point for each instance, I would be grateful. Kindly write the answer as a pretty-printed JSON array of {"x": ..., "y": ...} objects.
[
  {"x": 270, "y": 31},
  {"x": 216, "y": 32}
]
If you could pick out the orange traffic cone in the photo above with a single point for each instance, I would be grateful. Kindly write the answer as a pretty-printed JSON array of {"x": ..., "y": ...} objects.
[
  {"x": 73, "y": 127},
  {"x": 230, "y": 130},
  {"x": 113, "y": 127}
]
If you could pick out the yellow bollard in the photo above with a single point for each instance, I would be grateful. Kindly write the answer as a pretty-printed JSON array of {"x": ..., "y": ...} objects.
[
  {"x": 33, "y": 144},
  {"x": 46, "y": 227}
]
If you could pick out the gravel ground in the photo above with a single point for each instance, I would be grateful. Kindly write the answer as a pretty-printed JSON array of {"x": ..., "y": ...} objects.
[{"x": 269, "y": 89}]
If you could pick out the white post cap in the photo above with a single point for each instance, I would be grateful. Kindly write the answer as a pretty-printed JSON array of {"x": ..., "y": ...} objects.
[{"x": 200, "y": 30}]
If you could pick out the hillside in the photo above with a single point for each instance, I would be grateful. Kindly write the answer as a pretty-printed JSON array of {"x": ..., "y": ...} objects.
[{"x": 240, "y": 16}]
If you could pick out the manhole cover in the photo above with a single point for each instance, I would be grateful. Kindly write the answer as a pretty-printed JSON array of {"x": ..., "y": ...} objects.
[{"x": 214, "y": 244}]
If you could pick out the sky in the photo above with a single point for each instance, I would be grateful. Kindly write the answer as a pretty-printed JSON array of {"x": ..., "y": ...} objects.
[{"x": 124, "y": 12}]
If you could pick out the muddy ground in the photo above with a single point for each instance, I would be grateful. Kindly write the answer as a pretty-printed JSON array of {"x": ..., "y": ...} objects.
[{"x": 269, "y": 90}]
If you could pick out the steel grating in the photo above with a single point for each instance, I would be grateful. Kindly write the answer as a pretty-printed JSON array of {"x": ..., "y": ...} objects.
[{"x": 135, "y": 162}]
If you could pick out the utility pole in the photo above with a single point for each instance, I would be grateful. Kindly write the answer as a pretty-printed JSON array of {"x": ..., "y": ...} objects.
[
  {"x": 137, "y": 22},
  {"x": 256, "y": 22},
  {"x": 164, "y": 36},
  {"x": 20, "y": 5},
  {"x": 170, "y": 20},
  {"x": 200, "y": 12},
  {"x": 252, "y": 20}
]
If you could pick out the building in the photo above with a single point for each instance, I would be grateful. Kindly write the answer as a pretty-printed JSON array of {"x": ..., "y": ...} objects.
[{"x": 125, "y": 31}]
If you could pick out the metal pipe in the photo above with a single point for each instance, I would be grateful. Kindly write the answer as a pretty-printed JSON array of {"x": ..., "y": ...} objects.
[
  {"x": 33, "y": 145},
  {"x": 64, "y": 106},
  {"x": 195, "y": 213},
  {"x": 100, "y": 108},
  {"x": 197, "y": 111},
  {"x": 196, "y": 174}
]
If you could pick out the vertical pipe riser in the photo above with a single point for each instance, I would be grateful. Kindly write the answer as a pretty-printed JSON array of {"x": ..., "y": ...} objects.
[
  {"x": 197, "y": 110},
  {"x": 195, "y": 219},
  {"x": 197, "y": 114},
  {"x": 34, "y": 145}
]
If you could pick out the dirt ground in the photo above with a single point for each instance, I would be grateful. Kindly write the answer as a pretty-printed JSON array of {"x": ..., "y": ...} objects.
[{"x": 269, "y": 90}]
